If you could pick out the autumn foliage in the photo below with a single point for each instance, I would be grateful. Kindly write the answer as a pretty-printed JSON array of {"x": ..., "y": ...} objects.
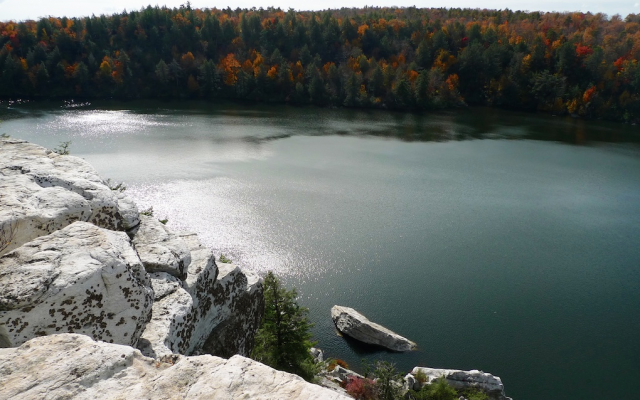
[{"x": 400, "y": 58}]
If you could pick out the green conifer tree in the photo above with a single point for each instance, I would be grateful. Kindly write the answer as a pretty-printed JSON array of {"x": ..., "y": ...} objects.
[{"x": 283, "y": 340}]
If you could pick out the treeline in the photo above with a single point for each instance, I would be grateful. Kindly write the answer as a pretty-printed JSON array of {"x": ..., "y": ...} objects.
[{"x": 400, "y": 58}]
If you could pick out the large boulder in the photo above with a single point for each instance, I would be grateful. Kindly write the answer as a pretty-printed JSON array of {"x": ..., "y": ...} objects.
[
  {"x": 352, "y": 323},
  {"x": 74, "y": 366},
  {"x": 461, "y": 380},
  {"x": 81, "y": 279},
  {"x": 41, "y": 192}
]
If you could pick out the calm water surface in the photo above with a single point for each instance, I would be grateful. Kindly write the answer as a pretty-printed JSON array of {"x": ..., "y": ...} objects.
[{"x": 497, "y": 241}]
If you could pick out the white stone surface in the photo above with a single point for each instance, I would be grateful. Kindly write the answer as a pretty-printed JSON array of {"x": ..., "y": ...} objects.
[
  {"x": 80, "y": 279},
  {"x": 459, "y": 379},
  {"x": 73, "y": 366},
  {"x": 160, "y": 249},
  {"x": 352, "y": 323},
  {"x": 216, "y": 313},
  {"x": 317, "y": 354},
  {"x": 237, "y": 308},
  {"x": 164, "y": 284},
  {"x": 41, "y": 191},
  {"x": 171, "y": 323}
]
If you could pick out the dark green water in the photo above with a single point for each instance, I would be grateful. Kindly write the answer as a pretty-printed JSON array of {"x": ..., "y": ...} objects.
[{"x": 504, "y": 242}]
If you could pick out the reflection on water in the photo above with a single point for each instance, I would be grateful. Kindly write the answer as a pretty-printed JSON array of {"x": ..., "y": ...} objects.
[
  {"x": 220, "y": 211},
  {"x": 231, "y": 122},
  {"x": 98, "y": 123}
]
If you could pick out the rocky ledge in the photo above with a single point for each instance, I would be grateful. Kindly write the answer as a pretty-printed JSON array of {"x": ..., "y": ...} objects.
[
  {"x": 352, "y": 323},
  {"x": 74, "y": 366},
  {"x": 43, "y": 192}
]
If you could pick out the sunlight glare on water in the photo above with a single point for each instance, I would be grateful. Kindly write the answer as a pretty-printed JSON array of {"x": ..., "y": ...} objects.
[
  {"x": 100, "y": 123},
  {"x": 220, "y": 212}
]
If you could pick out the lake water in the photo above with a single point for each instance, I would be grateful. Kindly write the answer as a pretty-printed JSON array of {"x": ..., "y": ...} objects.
[{"x": 504, "y": 242}]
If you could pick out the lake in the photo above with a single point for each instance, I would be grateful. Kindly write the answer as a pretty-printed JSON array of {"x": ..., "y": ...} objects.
[{"x": 504, "y": 242}]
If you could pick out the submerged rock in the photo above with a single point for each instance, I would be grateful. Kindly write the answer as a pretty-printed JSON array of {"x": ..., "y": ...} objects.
[
  {"x": 77, "y": 367},
  {"x": 41, "y": 192},
  {"x": 81, "y": 279},
  {"x": 352, "y": 323}
]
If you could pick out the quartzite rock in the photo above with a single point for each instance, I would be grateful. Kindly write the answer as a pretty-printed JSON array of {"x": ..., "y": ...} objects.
[
  {"x": 41, "y": 192},
  {"x": 164, "y": 284},
  {"x": 160, "y": 249},
  {"x": 171, "y": 325},
  {"x": 81, "y": 279},
  {"x": 239, "y": 305},
  {"x": 227, "y": 300},
  {"x": 352, "y": 323},
  {"x": 216, "y": 313},
  {"x": 492, "y": 385},
  {"x": 73, "y": 366}
]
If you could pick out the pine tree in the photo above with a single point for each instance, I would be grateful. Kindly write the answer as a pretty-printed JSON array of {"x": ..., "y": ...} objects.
[{"x": 283, "y": 340}]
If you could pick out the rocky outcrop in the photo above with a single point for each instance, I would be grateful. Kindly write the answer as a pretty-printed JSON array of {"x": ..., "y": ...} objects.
[
  {"x": 460, "y": 380},
  {"x": 82, "y": 279},
  {"x": 239, "y": 304},
  {"x": 41, "y": 192},
  {"x": 352, "y": 323},
  {"x": 214, "y": 310},
  {"x": 74, "y": 366}
]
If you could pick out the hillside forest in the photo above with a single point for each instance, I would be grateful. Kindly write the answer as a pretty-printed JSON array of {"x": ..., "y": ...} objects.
[{"x": 396, "y": 58}]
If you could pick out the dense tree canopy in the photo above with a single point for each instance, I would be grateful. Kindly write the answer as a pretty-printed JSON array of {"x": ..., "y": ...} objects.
[{"x": 402, "y": 58}]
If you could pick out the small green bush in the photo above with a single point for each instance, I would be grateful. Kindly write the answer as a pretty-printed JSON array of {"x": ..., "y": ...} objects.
[
  {"x": 421, "y": 377},
  {"x": 224, "y": 259},
  {"x": 387, "y": 378},
  {"x": 63, "y": 148},
  {"x": 120, "y": 187},
  {"x": 284, "y": 338},
  {"x": 475, "y": 394},
  {"x": 438, "y": 390},
  {"x": 441, "y": 390}
]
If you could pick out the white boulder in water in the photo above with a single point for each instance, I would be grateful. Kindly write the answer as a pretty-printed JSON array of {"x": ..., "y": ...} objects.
[{"x": 352, "y": 323}]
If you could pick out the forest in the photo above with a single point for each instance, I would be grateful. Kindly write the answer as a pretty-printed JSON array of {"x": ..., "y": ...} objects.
[{"x": 395, "y": 58}]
